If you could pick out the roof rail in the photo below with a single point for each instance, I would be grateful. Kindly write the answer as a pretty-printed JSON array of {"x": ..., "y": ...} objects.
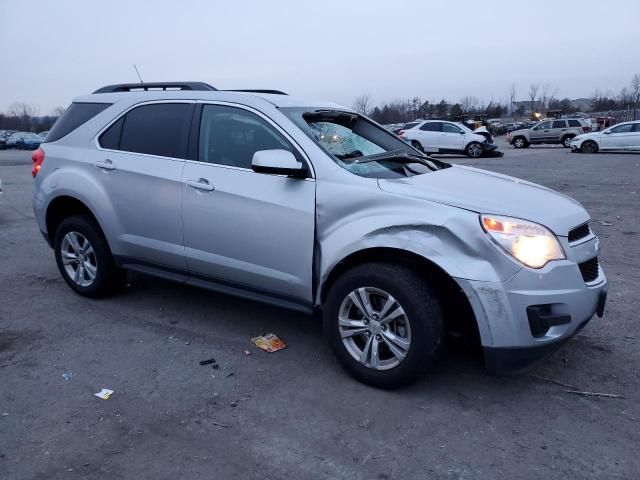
[
  {"x": 133, "y": 87},
  {"x": 257, "y": 90}
]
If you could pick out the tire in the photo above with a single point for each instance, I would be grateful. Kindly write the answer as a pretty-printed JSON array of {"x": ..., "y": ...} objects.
[
  {"x": 418, "y": 326},
  {"x": 589, "y": 146},
  {"x": 416, "y": 144},
  {"x": 99, "y": 276},
  {"x": 474, "y": 150},
  {"x": 566, "y": 141},
  {"x": 520, "y": 142}
]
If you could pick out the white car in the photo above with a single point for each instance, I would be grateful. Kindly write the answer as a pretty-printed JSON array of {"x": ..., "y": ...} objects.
[
  {"x": 623, "y": 136},
  {"x": 440, "y": 136}
]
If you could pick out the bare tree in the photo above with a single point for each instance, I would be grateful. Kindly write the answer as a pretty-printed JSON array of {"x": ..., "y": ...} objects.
[
  {"x": 512, "y": 97},
  {"x": 635, "y": 94},
  {"x": 547, "y": 95},
  {"x": 58, "y": 111},
  {"x": 362, "y": 103},
  {"x": 533, "y": 95},
  {"x": 468, "y": 104}
]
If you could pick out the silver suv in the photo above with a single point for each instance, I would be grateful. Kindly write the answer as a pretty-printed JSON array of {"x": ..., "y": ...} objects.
[
  {"x": 311, "y": 206},
  {"x": 560, "y": 131}
]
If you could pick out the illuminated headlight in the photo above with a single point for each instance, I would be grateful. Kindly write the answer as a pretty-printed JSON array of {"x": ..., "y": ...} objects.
[{"x": 528, "y": 242}]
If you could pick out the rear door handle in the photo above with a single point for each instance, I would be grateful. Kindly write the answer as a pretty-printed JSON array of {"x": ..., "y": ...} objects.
[
  {"x": 200, "y": 184},
  {"x": 106, "y": 165}
]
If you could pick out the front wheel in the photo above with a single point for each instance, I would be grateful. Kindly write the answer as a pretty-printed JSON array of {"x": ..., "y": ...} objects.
[
  {"x": 474, "y": 150},
  {"x": 520, "y": 142},
  {"x": 383, "y": 323},
  {"x": 589, "y": 147},
  {"x": 417, "y": 145}
]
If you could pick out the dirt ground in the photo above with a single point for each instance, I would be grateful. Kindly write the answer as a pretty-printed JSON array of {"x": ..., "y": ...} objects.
[{"x": 295, "y": 413}]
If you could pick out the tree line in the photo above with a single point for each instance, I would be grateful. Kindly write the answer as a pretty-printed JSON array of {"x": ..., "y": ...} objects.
[
  {"x": 26, "y": 118},
  {"x": 540, "y": 98}
]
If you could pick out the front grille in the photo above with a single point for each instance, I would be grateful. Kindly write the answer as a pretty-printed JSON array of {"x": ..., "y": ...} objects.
[
  {"x": 589, "y": 269},
  {"x": 579, "y": 232}
]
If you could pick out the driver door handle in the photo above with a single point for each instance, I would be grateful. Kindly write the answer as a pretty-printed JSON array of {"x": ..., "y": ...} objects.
[{"x": 200, "y": 184}]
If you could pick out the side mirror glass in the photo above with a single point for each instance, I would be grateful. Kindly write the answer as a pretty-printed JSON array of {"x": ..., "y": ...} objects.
[{"x": 278, "y": 162}]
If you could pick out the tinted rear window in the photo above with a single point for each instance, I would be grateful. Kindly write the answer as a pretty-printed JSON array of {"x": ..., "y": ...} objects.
[
  {"x": 559, "y": 124},
  {"x": 431, "y": 127},
  {"x": 158, "y": 129},
  {"x": 574, "y": 123},
  {"x": 76, "y": 115}
]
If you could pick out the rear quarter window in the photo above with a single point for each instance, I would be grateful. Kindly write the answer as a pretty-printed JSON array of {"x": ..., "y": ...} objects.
[{"x": 77, "y": 114}]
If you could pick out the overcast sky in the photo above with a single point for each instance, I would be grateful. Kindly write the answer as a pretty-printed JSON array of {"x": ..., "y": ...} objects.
[{"x": 333, "y": 50}]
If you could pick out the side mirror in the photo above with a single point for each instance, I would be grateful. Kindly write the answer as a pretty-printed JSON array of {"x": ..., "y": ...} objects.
[{"x": 278, "y": 162}]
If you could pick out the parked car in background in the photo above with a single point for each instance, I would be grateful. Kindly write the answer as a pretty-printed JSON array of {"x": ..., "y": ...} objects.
[
  {"x": 440, "y": 136},
  {"x": 560, "y": 131},
  {"x": 623, "y": 136},
  {"x": 24, "y": 141}
]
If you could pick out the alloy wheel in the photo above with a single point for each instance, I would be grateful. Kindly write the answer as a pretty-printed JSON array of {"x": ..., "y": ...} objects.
[
  {"x": 374, "y": 328},
  {"x": 79, "y": 259},
  {"x": 475, "y": 150}
]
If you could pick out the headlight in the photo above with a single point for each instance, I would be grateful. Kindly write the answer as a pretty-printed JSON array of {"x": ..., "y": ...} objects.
[{"x": 528, "y": 242}]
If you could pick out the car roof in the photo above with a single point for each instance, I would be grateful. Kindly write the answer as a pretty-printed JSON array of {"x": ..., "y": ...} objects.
[{"x": 247, "y": 98}]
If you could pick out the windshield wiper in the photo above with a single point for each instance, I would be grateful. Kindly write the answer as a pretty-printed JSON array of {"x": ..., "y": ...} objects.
[{"x": 404, "y": 157}]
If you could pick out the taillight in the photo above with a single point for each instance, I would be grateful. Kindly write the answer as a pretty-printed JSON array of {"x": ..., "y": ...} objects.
[
  {"x": 37, "y": 157},
  {"x": 585, "y": 129},
  {"x": 401, "y": 133}
]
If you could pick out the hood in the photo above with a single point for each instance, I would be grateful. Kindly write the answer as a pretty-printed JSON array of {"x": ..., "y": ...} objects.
[
  {"x": 584, "y": 136},
  {"x": 487, "y": 192}
]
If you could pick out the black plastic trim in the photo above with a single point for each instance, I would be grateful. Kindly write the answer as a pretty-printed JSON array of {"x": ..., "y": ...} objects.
[
  {"x": 541, "y": 319},
  {"x": 510, "y": 360},
  {"x": 132, "y": 87},
  {"x": 216, "y": 284},
  {"x": 258, "y": 90}
]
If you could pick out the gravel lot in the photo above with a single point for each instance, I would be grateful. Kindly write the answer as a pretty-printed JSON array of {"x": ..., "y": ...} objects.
[{"x": 295, "y": 414}]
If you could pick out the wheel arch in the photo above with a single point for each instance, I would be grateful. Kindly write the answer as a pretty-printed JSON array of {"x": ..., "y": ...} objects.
[
  {"x": 65, "y": 206},
  {"x": 458, "y": 313}
]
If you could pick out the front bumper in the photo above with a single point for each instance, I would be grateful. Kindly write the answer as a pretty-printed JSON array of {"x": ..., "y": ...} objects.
[{"x": 533, "y": 313}]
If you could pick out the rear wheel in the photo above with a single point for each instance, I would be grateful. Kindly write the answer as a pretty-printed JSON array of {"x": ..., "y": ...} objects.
[
  {"x": 520, "y": 142},
  {"x": 383, "y": 323},
  {"x": 566, "y": 141},
  {"x": 84, "y": 258},
  {"x": 473, "y": 150},
  {"x": 589, "y": 147}
]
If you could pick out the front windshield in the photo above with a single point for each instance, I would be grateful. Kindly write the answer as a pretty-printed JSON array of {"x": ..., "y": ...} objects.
[{"x": 350, "y": 139}]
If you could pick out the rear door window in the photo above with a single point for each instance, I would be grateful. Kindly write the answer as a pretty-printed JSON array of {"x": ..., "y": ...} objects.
[
  {"x": 77, "y": 114},
  {"x": 559, "y": 124},
  {"x": 431, "y": 127},
  {"x": 160, "y": 129},
  {"x": 574, "y": 123}
]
